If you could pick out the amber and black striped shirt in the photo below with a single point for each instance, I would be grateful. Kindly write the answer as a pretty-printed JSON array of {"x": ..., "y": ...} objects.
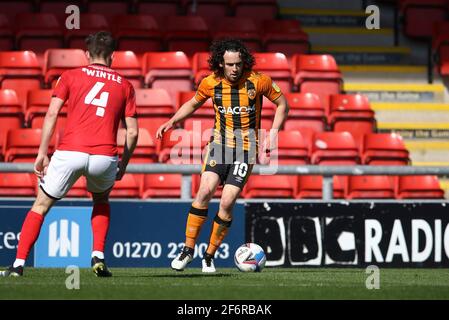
[{"x": 238, "y": 107}]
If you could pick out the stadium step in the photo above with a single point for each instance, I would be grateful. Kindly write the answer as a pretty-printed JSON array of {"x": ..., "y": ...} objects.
[
  {"x": 366, "y": 55},
  {"x": 334, "y": 17},
  {"x": 322, "y": 4},
  {"x": 398, "y": 92},
  {"x": 391, "y": 113},
  {"x": 349, "y": 36},
  {"x": 398, "y": 73},
  {"x": 428, "y": 152}
]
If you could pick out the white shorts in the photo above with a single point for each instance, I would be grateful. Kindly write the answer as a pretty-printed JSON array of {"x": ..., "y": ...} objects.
[{"x": 66, "y": 167}]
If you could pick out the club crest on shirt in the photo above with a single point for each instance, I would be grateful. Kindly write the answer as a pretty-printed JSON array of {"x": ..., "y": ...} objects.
[
  {"x": 276, "y": 87},
  {"x": 251, "y": 93},
  {"x": 213, "y": 163}
]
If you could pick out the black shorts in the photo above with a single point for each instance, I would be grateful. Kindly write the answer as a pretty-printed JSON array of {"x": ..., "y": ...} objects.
[{"x": 232, "y": 166}]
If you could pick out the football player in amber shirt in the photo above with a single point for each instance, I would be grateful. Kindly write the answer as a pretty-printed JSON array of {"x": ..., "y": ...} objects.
[
  {"x": 98, "y": 99},
  {"x": 237, "y": 92}
]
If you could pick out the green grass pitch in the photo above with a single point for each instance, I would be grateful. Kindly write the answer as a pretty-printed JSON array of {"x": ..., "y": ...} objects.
[{"x": 191, "y": 284}]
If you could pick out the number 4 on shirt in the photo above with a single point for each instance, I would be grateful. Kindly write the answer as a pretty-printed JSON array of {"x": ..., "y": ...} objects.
[{"x": 99, "y": 102}]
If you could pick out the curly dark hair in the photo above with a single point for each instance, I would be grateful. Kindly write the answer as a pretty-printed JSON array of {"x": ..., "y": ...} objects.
[{"x": 218, "y": 48}]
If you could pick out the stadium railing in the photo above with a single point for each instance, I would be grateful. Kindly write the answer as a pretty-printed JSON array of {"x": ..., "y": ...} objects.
[{"x": 326, "y": 171}]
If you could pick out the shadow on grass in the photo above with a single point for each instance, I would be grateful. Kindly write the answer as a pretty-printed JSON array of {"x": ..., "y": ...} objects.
[{"x": 173, "y": 276}]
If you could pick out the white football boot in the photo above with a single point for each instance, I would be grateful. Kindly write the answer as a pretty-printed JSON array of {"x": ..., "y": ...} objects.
[{"x": 182, "y": 259}]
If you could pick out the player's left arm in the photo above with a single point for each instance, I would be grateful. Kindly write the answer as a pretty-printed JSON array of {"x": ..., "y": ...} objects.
[{"x": 41, "y": 163}]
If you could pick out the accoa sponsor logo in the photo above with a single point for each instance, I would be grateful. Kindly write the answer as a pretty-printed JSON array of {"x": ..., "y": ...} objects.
[{"x": 236, "y": 109}]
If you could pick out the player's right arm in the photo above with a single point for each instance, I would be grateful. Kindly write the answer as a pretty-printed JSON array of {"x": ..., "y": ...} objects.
[
  {"x": 41, "y": 163},
  {"x": 184, "y": 112}
]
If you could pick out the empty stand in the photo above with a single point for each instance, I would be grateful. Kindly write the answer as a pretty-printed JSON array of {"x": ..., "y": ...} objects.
[
  {"x": 279, "y": 187},
  {"x": 200, "y": 67},
  {"x": 127, "y": 64},
  {"x": 419, "y": 187},
  {"x": 181, "y": 146},
  {"x": 167, "y": 70},
  {"x": 127, "y": 187},
  {"x": 161, "y": 186},
  {"x": 6, "y": 34},
  {"x": 311, "y": 187},
  {"x": 153, "y": 102},
  {"x": 334, "y": 148},
  {"x": 256, "y": 9},
  {"x": 145, "y": 151},
  {"x": 89, "y": 23},
  {"x": 137, "y": 33},
  {"x": 318, "y": 74},
  {"x": 56, "y": 61},
  {"x": 306, "y": 111},
  {"x": 20, "y": 70},
  {"x": 37, "y": 106},
  {"x": 204, "y": 117},
  {"x": 243, "y": 29},
  {"x": 351, "y": 113},
  {"x": 109, "y": 8},
  {"x": 370, "y": 187},
  {"x": 159, "y": 8},
  {"x": 384, "y": 149},
  {"x": 22, "y": 145},
  {"x": 292, "y": 148},
  {"x": 419, "y": 16},
  {"x": 188, "y": 34},
  {"x": 209, "y": 10},
  {"x": 276, "y": 66},
  {"x": 284, "y": 36},
  {"x": 11, "y": 115},
  {"x": 17, "y": 185},
  {"x": 38, "y": 32}
]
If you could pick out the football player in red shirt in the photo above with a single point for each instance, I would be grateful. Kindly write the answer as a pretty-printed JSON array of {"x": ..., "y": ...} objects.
[{"x": 98, "y": 98}]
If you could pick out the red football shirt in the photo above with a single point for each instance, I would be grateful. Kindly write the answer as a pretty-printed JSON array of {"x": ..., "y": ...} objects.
[{"x": 98, "y": 98}]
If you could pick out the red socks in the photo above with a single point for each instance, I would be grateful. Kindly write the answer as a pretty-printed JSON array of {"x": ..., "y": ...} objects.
[
  {"x": 28, "y": 235},
  {"x": 100, "y": 225}
]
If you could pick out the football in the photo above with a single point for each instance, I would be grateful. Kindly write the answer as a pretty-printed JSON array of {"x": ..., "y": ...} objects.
[{"x": 250, "y": 257}]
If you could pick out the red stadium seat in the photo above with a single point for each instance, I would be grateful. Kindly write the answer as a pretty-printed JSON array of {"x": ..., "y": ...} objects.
[
  {"x": 6, "y": 34},
  {"x": 20, "y": 70},
  {"x": 128, "y": 187},
  {"x": 181, "y": 146},
  {"x": 421, "y": 15},
  {"x": 210, "y": 10},
  {"x": 79, "y": 189},
  {"x": 137, "y": 33},
  {"x": 311, "y": 187},
  {"x": 38, "y": 32},
  {"x": 145, "y": 151},
  {"x": 89, "y": 23},
  {"x": 160, "y": 9},
  {"x": 292, "y": 148},
  {"x": 276, "y": 66},
  {"x": 243, "y": 29},
  {"x": 196, "y": 180},
  {"x": 307, "y": 110},
  {"x": 11, "y": 115},
  {"x": 419, "y": 187},
  {"x": 440, "y": 46},
  {"x": 384, "y": 149},
  {"x": 152, "y": 123},
  {"x": 285, "y": 36},
  {"x": 188, "y": 34},
  {"x": 109, "y": 8},
  {"x": 161, "y": 186},
  {"x": 12, "y": 8},
  {"x": 334, "y": 148},
  {"x": 57, "y": 7},
  {"x": 200, "y": 67},
  {"x": 37, "y": 106},
  {"x": 22, "y": 145},
  {"x": 153, "y": 102},
  {"x": 56, "y": 61},
  {"x": 370, "y": 187},
  {"x": 256, "y": 9},
  {"x": 167, "y": 70},
  {"x": 318, "y": 74},
  {"x": 351, "y": 113},
  {"x": 17, "y": 185},
  {"x": 279, "y": 187},
  {"x": 127, "y": 64},
  {"x": 203, "y": 118}
]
